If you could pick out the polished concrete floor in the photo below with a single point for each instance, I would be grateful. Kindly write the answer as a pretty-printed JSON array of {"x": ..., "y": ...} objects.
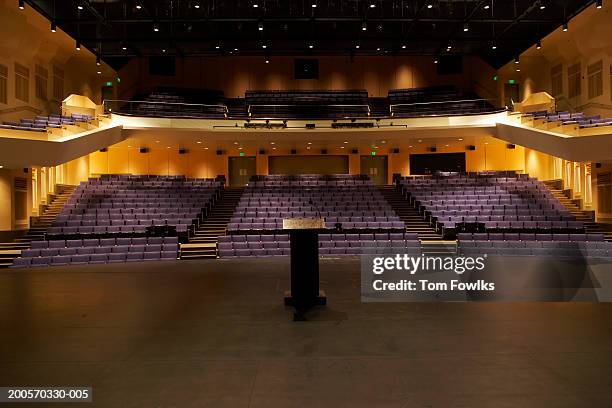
[{"x": 215, "y": 333}]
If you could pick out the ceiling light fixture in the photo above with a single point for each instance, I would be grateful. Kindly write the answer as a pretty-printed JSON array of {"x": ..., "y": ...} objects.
[
  {"x": 429, "y": 5},
  {"x": 565, "y": 27},
  {"x": 260, "y": 26},
  {"x": 364, "y": 26},
  {"x": 539, "y": 44},
  {"x": 138, "y": 7},
  {"x": 53, "y": 26},
  {"x": 599, "y": 4},
  {"x": 21, "y": 4},
  {"x": 156, "y": 27},
  {"x": 78, "y": 45},
  {"x": 517, "y": 60},
  {"x": 466, "y": 27}
]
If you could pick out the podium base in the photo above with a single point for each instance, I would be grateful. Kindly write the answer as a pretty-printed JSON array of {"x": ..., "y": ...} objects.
[{"x": 320, "y": 300}]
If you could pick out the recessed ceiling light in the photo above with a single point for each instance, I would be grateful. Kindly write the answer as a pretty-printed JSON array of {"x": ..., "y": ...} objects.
[
  {"x": 129, "y": 146},
  {"x": 404, "y": 46},
  {"x": 420, "y": 140},
  {"x": 274, "y": 148},
  {"x": 342, "y": 147},
  {"x": 446, "y": 145},
  {"x": 80, "y": 7},
  {"x": 383, "y": 141},
  {"x": 460, "y": 139},
  {"x": 345, "y": 142},
  {"x": 138, "y": 7},
  {"x": 198, "y": 142},
  {"x": 1, "y": 167},
  {"x": 206, "y": 148},
  {"x": 309, "y": 143},
  {"x": 240, "y": 148},
  {"x": 157, "y": 141},
  {"x": 197, "y": 5},
  {"x": 307, "y": 147},
  {"x": 429, "y": 5},
  {"x": 486, "y": 7}
]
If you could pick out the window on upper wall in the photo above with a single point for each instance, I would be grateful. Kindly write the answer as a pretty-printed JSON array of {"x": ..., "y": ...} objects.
[
  {"x": 42, "y": 80},
  {"x": 595, "y": 77},
  {"x": 556, "y": 77},
  {"x": 22, "y": 83},
  {"x": 3, "y": 84},
  {"x": 574, "y": 80},
  {"x": 58, "y": 84}
]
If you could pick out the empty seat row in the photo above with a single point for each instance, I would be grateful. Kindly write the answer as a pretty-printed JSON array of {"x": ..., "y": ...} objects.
[
  {"x": 529, "y": 237},
  {"x": 62, "y": 260}
]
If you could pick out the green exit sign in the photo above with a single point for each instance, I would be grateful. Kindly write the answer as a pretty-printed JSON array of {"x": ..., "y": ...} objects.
[
  {"x": 495, "y": 77},
  {"x": 511, "y": 81},
  {"x": 241, "y": 154},
  {"x": 109, "y": 83},
  {"x": 373, "y": 153}
]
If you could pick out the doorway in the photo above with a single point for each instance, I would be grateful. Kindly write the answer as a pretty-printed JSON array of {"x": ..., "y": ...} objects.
[
  {"x": 511, "y": 94},
  {"x": 375, "y": 167},
  {"x": 240, "y": 170}
]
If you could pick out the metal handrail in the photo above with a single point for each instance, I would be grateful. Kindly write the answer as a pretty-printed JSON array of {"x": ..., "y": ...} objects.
[
  {"x": 204, "y": 105},
  {"x": 418, "y": 104},
  {"x": 319, "y": 105}
]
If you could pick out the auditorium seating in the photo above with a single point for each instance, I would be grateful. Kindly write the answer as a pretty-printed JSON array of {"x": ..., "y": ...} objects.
[
  {"x": 441, "y": 100},
  {"x": 530, "y": 244},
  {"x": 350, "y": 201},
  {"x": 568, "y": 118},
  {"x": 173, "y": 102},
  {"x": 98, "y": 251},
  {"x": 307, "y": 104},
  {"x": 338, "y": 244},
  {"x": 496, "y": 201},
  {"x": 115, "y": 205},
  {"x": 41, "y": 123}
]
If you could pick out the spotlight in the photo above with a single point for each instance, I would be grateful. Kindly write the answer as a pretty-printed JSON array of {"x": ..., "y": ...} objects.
[
  {"x": 542, "y": 5},
  {"x": 311, "y": 46},
  {"x": 539, "y": 45},
  {"x": 429, "y": 5},
  {"x": 518, "y": 70},
  {"x": 260, "y": 26},
  {"x": 99, "y": 72},
  {"x": 449, "y": 47},
  {"x": 403, "y": 46},
  {"x": 493, "y": 46},
  {"x": 364, "y": 26},
  {"x": 21, "y": 4},
  {"x": 565, "y": 27},
  {"x": 138, "y": 7},
  {"x": 466, "y": 27},
  {"x": 156, "y": 27},
  {"x": 517, "y": 60},
  {"x": 124, "y": 48},
  {"x": 78, "y": 45},
  {"x": 599, "y": 4},
  {"x": 255, "y": 5},
  {"x": 435, "y": 61},
  {"x": 486, "y": 6},
  {"x": 197, "y": 5},
  {"x": 264, "y": 46},
  {"x": 313, "y": 5},
  {"x": 164, "y": 50},
  {"x": 357, "y": 46},
  {"x": 53, "y": 26},
  {"x": 79, "y": 7},
  {"x": 98, "y": 62},
  {"x": 372, "y": 5},
  {"x": 267, "y": 60}
]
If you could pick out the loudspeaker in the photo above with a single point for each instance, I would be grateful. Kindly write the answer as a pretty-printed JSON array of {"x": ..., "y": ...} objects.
[
  {"x": 395, "y": 150},
  {"x": 598, "y": 165},
  {"x": 26, "y": 170},
  {"x": 433, "y": 149},
  {"x": 511, "y": 146},
  {"x": 144, "y": 150},
  {"x": 471, "y": 147},
  {"x": 103, "y": 150},
  {"x": 355, "y": 151},
  {"x": 293, "y": 151},
  {"x": 310, "y": 126},
  {"x": 219, "y": 152},
  {"x": 262, "y": 151},
  {"x": 182, "y": 151},
  {"x": 323, "y": 151}
]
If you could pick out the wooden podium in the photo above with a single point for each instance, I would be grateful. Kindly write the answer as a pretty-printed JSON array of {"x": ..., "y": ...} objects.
[{"x": 304, "y": 237}]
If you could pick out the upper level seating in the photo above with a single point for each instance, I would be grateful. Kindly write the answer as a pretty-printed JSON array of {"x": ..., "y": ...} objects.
[
  {"x": 441, "y": 100},
  {"x": 307, "y": 104},
  {"x": 172, "y": 102},
  {"x": 352, "y": 201},
  {"x": 126, "y": 204},
  {"x": 568, "y": 118},
  {"x": 41, "y": 123},
  {"x": 500, "y": 201}
]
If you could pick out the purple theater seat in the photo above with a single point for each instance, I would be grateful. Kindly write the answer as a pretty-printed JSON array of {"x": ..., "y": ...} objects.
[
  {"x": 137, "y": 248},
  {"x": 116, "y": 257},
  {"x": 41, "y": 261},
  {"x": 21, "y": 262},
  {"x": 152, "y": 256},
  {"x": 595, "y": 237},
  {"x": 155, "y": 240},
  {"x": 527, "y": 237},
  {"x": 577, "y": 237},
  {"x": 74, "y": 243},
  {"x": 121, "y": 249},
  {"x": 91, "y": 242},
  {"x": 39, "y": 244},
  {"x": 67, "y": 251},
  {"x": 107, "y": 242},
  {"x": 139, "y": 241},
  {"x": 134, "y": 257},
  {"x": 49, "y": 252},
  {"x": 98, "y": 258},
  {"x": 226, "y": 252},
  {"x": 85, "y": 250},
  {"x": 103, "y": 250},
  {"x": 171, "y": 240},
  {"x": 168, "y": 255},
  {"x": 543, "y": 237},
  {"x": 79, "y": 259},
  {"x": 30, "y": 253},
  {"x": 57, "y": 244},
  {"x": 123, "y": 241}
]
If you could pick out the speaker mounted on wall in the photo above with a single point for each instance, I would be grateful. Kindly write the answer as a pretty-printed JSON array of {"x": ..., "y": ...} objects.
[
  {"x": 144, "y": 150},
  {"x": 395, "y": 150},
  {"x": 471, "y": 147},
  {"x": 511, "y": 146},
  {"x": 323, "y": 151},
  {"x": 219, "y": 152},
  {"x": 183, "y": 151},
  {"x": 293, "y": 151},
  {"x": 355, "y": 151},
  {"x": 262, "y": 151},
  {"x": 103, "y": 150},
  {"x": 310, "y": 126},
  {"x": 433, "y": 149}
]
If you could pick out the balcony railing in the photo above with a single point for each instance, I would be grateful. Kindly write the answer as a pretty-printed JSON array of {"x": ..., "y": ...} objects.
[
  {"x": 443, "y": 108},
  {"x": 165, "y": 109}
]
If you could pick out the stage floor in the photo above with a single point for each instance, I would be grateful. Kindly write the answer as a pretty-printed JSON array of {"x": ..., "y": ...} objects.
[{"x": 215, "y": 333}]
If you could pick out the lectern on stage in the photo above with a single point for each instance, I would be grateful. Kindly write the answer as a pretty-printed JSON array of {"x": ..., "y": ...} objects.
[{"x": 305, "y": 292}]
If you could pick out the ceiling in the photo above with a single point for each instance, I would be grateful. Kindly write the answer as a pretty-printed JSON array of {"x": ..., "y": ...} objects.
[{"x": 122, "y": 29}]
